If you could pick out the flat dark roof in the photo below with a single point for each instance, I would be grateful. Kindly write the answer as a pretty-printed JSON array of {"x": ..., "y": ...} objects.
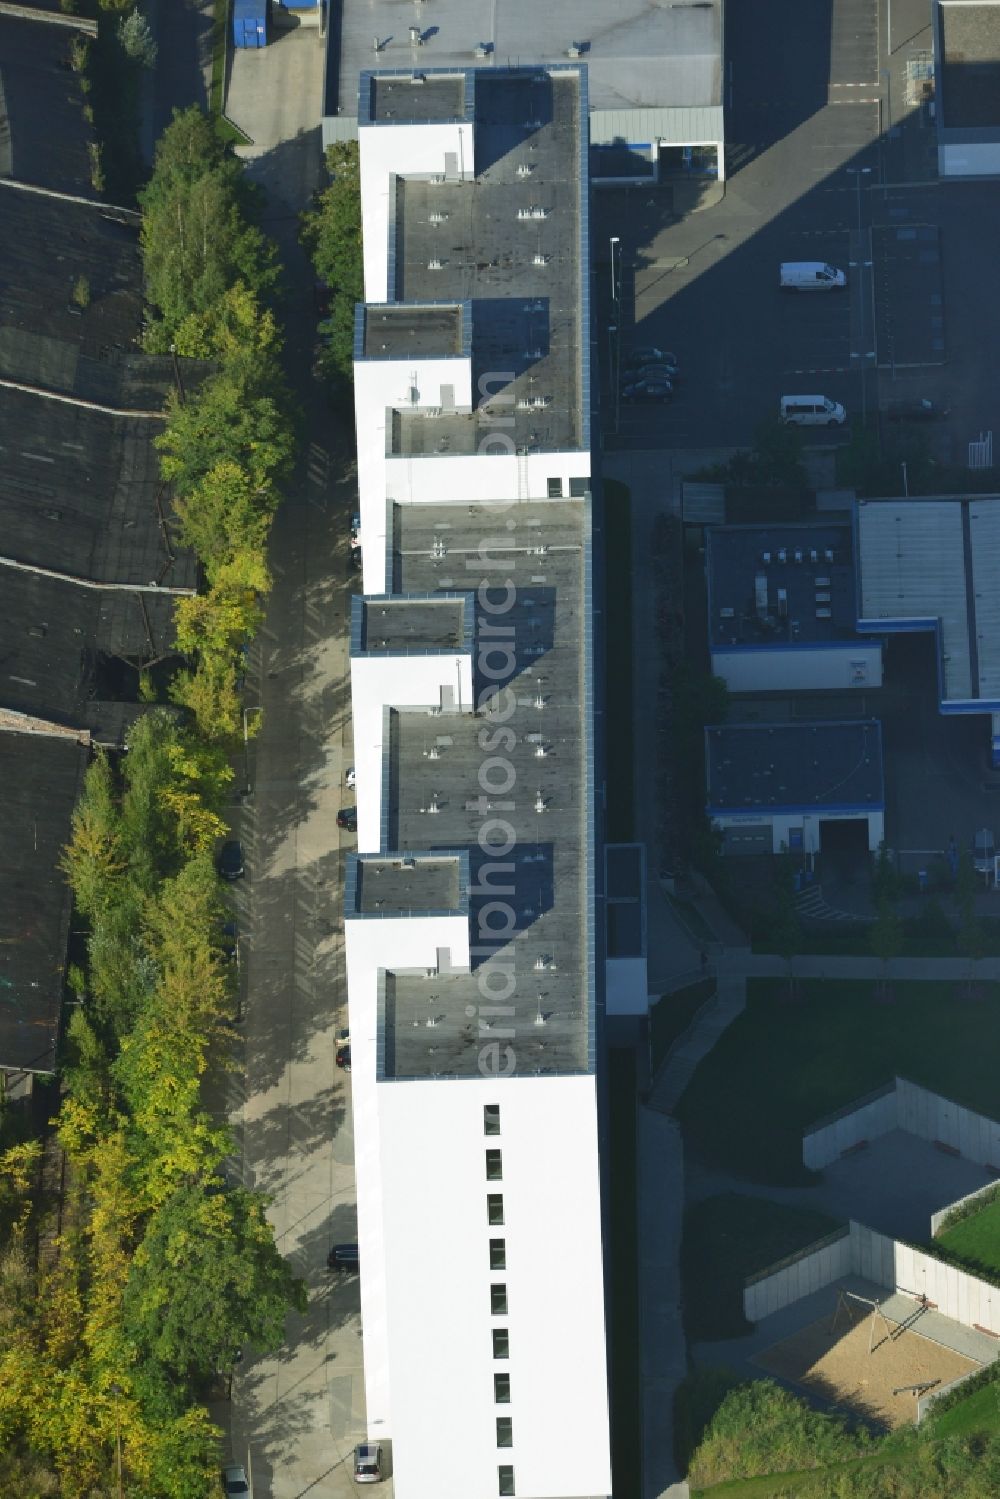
[
  {"x": 44, "y": 102},
  {"x": 46, "y": 338},
  {"x": 81, "y": 494},
  {"x": 394, "y": 884},
  {"x": 435, "y": 802},
  {"x": 968, "y": 88},
  {"x": 767, "y": 767},
  {"x": 509, "y": 240},
  {"x": 41, "y": 777},
  {"x": 420, "y": 624},
  {"x": 390, "y": 332},
  {"x": 780, "y": 585},
  {"x": 416, "y": 96}
]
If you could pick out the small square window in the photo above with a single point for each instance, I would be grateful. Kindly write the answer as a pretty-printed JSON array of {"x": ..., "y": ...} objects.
[
  {"x": 578, "y": 488},
  {"x": 498, "y": 1300},
  {"x": 501, "y": 1389},
  {"x": 501, "y": 1343},
  {"x": 494, "y": 1209},
  {"x": 505, "y": 1431},
  {"x": 506, "y": 1477},
  {"x": 555, "y": 489},
  {"x": 498, "y": 1254},
  {"x": 491, "y": 1118},
  {"x": 494, "y": 1165}
]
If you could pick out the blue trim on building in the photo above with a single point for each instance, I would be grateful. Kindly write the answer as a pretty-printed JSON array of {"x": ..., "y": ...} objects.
[
  {"x": 808, "y": 809},
  {"x": 401, "y": 913},
  {"x": 847, "y": 646}
]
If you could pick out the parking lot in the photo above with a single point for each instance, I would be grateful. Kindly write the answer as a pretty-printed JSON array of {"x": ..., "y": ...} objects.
[
  {"x": 810, "y": 179},
  {"x": 700, "y": 271}
]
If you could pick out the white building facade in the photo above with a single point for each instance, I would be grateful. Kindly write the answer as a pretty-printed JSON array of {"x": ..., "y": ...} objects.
[{"x": 474, "y": 978}]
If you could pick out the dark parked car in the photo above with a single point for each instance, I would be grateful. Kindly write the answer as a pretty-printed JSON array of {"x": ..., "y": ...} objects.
[
  {"x": 343, "y": 1257},
  {"x": 648, "y": 390},
  {"x": 230, "y": 860},
  {"x": 669, "y": 373},
  {"x": 344, "y": 1057},
  {"x": 347, "y": 818},
  {"x": 229, "y": 942}
]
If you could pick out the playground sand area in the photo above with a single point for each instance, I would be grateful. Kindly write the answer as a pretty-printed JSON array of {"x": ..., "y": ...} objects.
[{"x": 830, "y": 1358}]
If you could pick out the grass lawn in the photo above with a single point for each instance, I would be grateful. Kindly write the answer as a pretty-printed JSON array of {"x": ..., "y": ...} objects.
[
  {"x": 618, "y": 659},
  {"x": 975, "y": 1242},
  {"x": 785, "y": 1063},
  {"x": 727, "y": 1238},
  {"x": 224, "y": 129},
  {"x": 672, "y": 1015},
  {"x": 692, "y": 918}
]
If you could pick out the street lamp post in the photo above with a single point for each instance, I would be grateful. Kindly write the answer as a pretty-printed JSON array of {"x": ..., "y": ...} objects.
[
  {"x": 246, "y": 748},
  {"x": 615, "y": 244},
  {"x": 116, "y": 1391},
  {"x": 614, "y": 369},
  {"x": 177, "y": 374}
]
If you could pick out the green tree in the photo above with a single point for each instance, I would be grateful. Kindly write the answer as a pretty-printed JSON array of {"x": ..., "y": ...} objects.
[
  {"x": 786, "y": 929},
  {"x": 86, "y": 1068},
  {"x": 331, "y": 232},
  {"x": 224, "y": 515},
  {"x": 136, "y": 39},
  {"x": 198, "y": 237},
  {"x": 149, "y": 830},
  {"x": 971, "y": 934},
  {"x": 94, "y": 860},
  {"x": 885, "y": 938},
  {"x": 228, "y": 421},
  {"x": 207, "y": 1279}
]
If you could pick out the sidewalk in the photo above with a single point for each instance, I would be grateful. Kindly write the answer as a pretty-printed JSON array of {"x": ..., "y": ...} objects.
[
  {"x": 663, "y": 1363},
  {"x": 679, "y": 1066},
  {"x": 828, "y": 966}
]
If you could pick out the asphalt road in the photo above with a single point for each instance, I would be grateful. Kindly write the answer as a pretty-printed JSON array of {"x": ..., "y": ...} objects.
[{"x": 802, "y": 120}]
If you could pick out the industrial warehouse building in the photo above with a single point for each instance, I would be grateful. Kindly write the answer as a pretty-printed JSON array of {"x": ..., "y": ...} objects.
[
  {"x": 775, "y": 787},
  {"x": 474, "y": 956},
  {"x": 655, "y": 71},
  {"x": 966, "y": 87},
  {"x": 782, "y": 610},
  {"x": 931, "y": 565}
]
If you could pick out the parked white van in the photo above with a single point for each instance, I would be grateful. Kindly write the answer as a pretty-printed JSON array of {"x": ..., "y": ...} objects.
[
  {"x": 812, "y": 411},
  {"x": 811, "y": 275}
]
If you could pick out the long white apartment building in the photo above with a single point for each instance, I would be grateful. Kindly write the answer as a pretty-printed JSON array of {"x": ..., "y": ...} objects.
[{"x": 473, "y": 954}]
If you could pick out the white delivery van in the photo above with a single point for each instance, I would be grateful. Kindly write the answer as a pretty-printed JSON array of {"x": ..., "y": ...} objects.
[
  {"x": 811, "y": 275},
  {"x": 812, "y": 411}
]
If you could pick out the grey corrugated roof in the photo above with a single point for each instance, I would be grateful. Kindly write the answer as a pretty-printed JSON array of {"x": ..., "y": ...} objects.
[
  {"x": 683, "y": 126},
  {"x": 639, "y": 53},
  {"x": 912, "y": 566},
  {"x": 984, "y": 535},
  {"x": 41, "y": 777}
]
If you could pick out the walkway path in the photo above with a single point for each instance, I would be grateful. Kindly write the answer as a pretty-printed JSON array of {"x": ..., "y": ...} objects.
[
  {"x": 733, "y": 966},
  {"x": 663, "y": 1362}
]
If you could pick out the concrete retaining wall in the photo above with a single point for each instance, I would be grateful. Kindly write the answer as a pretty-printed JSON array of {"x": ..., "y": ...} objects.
[
  {"x": 818, "y": 1265},
  {"x": 970, "y": 1197},
  {"x": 925, "y": 1402},
  {"x": 953, "y": 1292},
  {"x": 842, "y": 1132},
  {"x": 904, "y": 1105},
  {"x": 873, "y": 1256},
  {"x": 884, "y": 1261},
  {"x": 932, "y": 1117}
]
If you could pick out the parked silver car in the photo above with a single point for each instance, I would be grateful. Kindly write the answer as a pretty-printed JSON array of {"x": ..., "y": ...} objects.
[{"x": 368, "y": 1463}]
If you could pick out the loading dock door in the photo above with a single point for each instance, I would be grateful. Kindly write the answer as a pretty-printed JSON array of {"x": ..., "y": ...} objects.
[{"x": 753, "y": 838}]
